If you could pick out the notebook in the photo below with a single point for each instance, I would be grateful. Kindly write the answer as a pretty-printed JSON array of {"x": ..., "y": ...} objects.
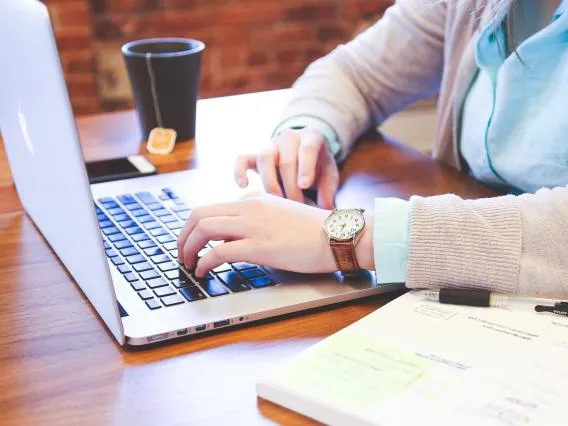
[{"x": 414, "y": 361}]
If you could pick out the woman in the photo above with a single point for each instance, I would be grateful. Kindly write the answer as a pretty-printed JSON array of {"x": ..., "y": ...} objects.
[{"x": 501, "y": 71}]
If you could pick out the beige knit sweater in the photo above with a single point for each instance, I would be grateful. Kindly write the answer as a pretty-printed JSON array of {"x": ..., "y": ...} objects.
[{"x": 420, "y": 48}]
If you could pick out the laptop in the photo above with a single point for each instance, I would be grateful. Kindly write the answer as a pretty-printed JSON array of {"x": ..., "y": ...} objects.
[{"x": 118, "y": 240}]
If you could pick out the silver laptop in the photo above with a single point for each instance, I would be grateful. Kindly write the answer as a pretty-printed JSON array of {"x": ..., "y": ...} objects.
[{"x": 118, "y": 239}]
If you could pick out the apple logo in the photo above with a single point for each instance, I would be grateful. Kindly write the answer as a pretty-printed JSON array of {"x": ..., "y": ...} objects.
[{"x": 24, "y": 129}]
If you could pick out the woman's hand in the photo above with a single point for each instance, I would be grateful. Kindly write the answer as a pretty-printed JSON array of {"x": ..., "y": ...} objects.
[
  {"x": 265, "y": 230},
  {"x": 292, "y": 162}
]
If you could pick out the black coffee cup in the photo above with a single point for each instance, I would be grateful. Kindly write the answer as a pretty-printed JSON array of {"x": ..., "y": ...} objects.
[{"x": 164, "y": 75}]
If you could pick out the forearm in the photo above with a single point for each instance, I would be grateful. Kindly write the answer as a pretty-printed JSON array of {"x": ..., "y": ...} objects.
[
  {"x": 507, "y": 244},
  {"x": 391, "y": 65}
]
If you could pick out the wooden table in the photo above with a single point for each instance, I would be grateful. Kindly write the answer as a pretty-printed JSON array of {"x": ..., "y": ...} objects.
[{"x": 58, "y": 363}]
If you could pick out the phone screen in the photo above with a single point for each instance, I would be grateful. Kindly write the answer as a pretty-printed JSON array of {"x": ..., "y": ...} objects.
[{"x": 114, "y": 169}]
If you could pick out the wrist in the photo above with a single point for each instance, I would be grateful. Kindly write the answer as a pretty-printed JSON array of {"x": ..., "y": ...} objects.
[{"x": 364, "y": 247}]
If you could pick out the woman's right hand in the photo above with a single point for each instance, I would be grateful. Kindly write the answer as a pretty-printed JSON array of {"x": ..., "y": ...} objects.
[{"x": 292, "y": 162}]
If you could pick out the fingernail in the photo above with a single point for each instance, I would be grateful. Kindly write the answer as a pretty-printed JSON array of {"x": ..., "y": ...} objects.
[
  {"x": 304, "y": 182},
  {"x": 241, "y": 182}
]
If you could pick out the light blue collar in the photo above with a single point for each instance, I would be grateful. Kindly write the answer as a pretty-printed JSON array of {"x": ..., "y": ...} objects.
[{"x": 490, "y": 51}]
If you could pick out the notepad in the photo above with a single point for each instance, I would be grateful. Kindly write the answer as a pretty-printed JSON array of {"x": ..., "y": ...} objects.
[{"x": 418, "y": 362}]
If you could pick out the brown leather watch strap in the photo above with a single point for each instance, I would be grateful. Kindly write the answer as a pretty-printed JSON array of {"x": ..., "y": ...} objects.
[{"x": 344, "y": 255}]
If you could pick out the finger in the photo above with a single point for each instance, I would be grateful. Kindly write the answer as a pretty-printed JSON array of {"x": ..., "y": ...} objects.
[
  {"x": 266, "y": 165},
  {"x": 288, "y": 144},
  {"x": 244, "y": 163},
  {"x": 211, "y": 228},
  {"x": 311, "y": 143},
  {"x": 328, "y": 183},
  {"x": 233, "y": 251},
  {"x": 221, "y": 209}
]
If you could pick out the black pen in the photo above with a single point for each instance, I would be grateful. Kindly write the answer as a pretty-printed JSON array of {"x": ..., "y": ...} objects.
[
  {"x": 558, "y": 308},
  {"x": 468, "y": 297}
]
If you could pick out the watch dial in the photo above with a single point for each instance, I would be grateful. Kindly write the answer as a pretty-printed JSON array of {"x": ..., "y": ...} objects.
[{"x": 345, "y": 224}]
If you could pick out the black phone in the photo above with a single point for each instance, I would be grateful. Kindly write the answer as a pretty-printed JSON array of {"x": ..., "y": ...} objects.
[{"x": 119, "y": 168}]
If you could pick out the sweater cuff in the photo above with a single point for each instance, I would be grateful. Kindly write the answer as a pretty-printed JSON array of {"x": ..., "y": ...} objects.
[
  {"x": 308, "y": 121},
  {"x": 464, "y": 243},
  {"x": 390, "y": 239}
]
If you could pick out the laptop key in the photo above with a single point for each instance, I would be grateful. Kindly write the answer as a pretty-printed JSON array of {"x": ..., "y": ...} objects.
[
  {"x": 132, "y": 278},
  {"x": 148, "y": 275},
  {"x": 234, "y": 281},
  {"x": 124, "y": 269},
  {"x": 137, "y": 285},
  {"x": 174, "y": 224},
  {"x": 105, "y": 200},
  {"x": 153, "y": 251},
  {"x": 145, "y": 294},
  {"x": 133, "y": 206},
  {"x": 105, "y": 224},
  {"x": 146, "y": 218},
  {"x": 127, "y": 223},
  {"x": 121, "y": 217},
  {"x": 138, "y": 213},
  {"x": 116, "y": 237},
  {"x": 126, "y": 199},
  {"x": 153, "y": 304},
  {"x": 129, "y": 251},
  {"x": 107, "y": 245},
  {"x": 261, "y": 282},
  {"x": 145, "y": 197},
  {"x": 250, "y": 274},
  {"x": 140, "y": 237},
  {"x": 147, "y": 244},
  {"x": 174, "y": 253},
  {"x": 115, "y": 211},
  {"x": 182, "y": 281},
  {"x": 156, "y": 282},
  {"x": 158, "y": 231},
  {"x": 213, "y": 287},
  {"x": 241, "y": 266},
  {"x": 110, "y": 230},
  {"x": 222, "y": 268},
  {"x": 180, "y": 208},
  {"x": 160, "y": 258},
  {"x": 161, "y": 212},
  {"x": 165, "y": 239},
  {"x": 176, "y": 231},
  {"x": 154, "y": 206},
  {"x": 136, "y": 258},
  {"x": 122, "y": 244},
  {"x": 111, "y": 253},
  {"x": 133, "y": 230},
  {"x": 164, "y": 291},
  {"x": 152, "y": 225},
  {"x": 140, "y": 267},
  {"x": 171, "y": 245},
  {"x": 168, "y": 218},
  {"x": 101, "y": 217},
  {"x": 117, "y": 261},
  {"x": 168, "y": 266},
  {"x": 192, "y": 293},
  {"x": 184, "y": 214},
  {"x": 173, "y": 274},
  {"x": 172, "y": 300}
]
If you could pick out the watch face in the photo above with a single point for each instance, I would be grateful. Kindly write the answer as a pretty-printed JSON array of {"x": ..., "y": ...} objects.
[{"x": 345, "y": 224}]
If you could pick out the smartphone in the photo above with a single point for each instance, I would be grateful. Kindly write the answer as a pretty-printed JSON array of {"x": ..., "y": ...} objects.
[{"x": 119, "y": 168}]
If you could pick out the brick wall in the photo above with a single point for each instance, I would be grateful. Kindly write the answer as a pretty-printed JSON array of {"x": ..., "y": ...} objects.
[{"x": 251, "y": 45}]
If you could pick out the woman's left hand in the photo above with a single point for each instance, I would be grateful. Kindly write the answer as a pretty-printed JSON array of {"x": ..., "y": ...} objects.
[{"x": 261, "y": 229}]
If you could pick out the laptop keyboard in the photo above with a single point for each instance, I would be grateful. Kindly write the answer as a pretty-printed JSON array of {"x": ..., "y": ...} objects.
[{"x": 140, "y": 238}]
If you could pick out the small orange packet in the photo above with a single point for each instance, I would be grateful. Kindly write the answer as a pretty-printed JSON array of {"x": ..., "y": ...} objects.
[{"x": 161, "y": 141}]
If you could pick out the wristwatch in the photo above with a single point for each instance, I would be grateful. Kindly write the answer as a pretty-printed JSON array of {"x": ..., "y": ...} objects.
[{"x": 343, "y": 228}]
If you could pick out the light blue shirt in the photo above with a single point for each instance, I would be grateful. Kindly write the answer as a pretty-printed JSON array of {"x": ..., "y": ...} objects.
[{"x": 514, "y": 130}]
